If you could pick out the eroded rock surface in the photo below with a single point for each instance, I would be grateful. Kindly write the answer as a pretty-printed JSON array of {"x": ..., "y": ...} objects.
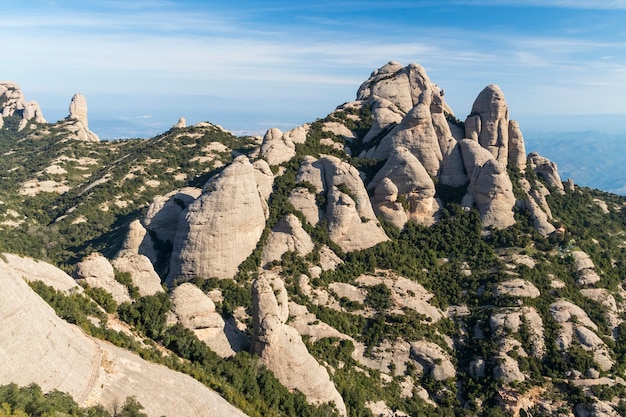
[
  {"x": 280, "y": 347},
  {"x": 97, "y": 271},
  {"x": 196, "y": 311},
  {"x": 212, "y": 240}
]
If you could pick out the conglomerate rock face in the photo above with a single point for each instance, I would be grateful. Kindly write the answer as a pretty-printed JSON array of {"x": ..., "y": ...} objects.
[
  {"x": 280, "y": 347},
  {"x": 212, "y": 238}
]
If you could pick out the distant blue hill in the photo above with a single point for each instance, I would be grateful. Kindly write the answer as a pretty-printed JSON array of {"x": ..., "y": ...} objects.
[{"x": 593, "y": 159}]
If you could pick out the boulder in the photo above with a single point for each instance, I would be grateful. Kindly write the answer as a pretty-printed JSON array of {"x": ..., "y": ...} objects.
[
  {"x": 212, "y": 240},
  {"x": 98, "y": 272},
  {"x": 196, "y": 311},
  {"x": 287, "y": 236},
  {"x": 280, "y": 347}
]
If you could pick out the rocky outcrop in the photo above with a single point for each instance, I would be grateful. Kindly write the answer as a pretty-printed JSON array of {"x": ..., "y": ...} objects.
[
  {"x": 490, "y": 187},
  {"x": 181, "y": 124},
  {"x": 585, "y": 273},
  {"x": 140, "y": 268},
  {"x": 77, "y": 124},
  {"x": 280, "y": 347},
  {"x": 287, "y": 236},
  {"x": 385, "y": 114},
  {"x": 162, "y": 215},
  {"x": 540, "y": 217},
  {"x": 212, "y": 240},
  {"x": 415, "y": 133},
  {"x": 352, "y": 223},
  {"x": 547, "y": 170},
  {"x": 303, "y": 200},
  {"x": 517, "y": 149},
  {"x": 576, "y": 324},
  {"x": 32, "y": 270},
  {"x": 13, "y": 103},
  {"x": 96, "y": 271},
  {"x": 195, "y": 310},
  {"x": 516, "y": 288},
  {"x": 59, "y": 356},
  {"x": 277, "y": 147},
  {"x": 434, "y": 360},
  {"x": 488, "y": 123},
  {"x": 408, "y": 179}
]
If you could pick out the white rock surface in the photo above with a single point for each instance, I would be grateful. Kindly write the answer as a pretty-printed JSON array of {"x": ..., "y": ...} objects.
[
  {"x": 60, "y": 356},
  {"x": 212, "y": 240},
  {"x": 516, "y": 288},
  {"x": 97, "y": 271},
  {"x": 352, "y": 223},
  {"x": 411, "y": 180},
  {"x": 547, "y": 170},
  {"x": 277, "y": 147},
  {"x": 34, "y": 270},
  {"x": 434, "y": 359},
  {"x": 488, "y": 123}
]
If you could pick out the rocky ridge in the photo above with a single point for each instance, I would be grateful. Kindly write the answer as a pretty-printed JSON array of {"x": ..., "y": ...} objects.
[{"x": 389, "y": 248}]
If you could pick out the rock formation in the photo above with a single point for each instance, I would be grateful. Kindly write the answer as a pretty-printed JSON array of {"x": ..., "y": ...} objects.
[
  {"x": 13, "y": 103},
  {"x": 277, "y": 147},
  {"x": 140, "y": 268},
  {"x": 352, "y": 223},
  {"x": 77, "y": 123},
  {"x": 33, "y": 270},
  {"x": 59, "y": 356},
  {"x": 411, "y": 181},
  {"x": 181, "y": 124},
  {"x": 287, "y": 236},
  {"x": 196, "y": 311},
  {"x": 280, "y": 347},
  {"x": 488, "y": 123},
  {"x": 212, "y": 240},
  {"x": 490, "y": 187},
  {"x": 547, "y": 170},
  {"x": 97, "y": 271}
]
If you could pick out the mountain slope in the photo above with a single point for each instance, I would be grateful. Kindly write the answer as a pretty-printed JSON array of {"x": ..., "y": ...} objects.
[{"x": 411, "y": 262}]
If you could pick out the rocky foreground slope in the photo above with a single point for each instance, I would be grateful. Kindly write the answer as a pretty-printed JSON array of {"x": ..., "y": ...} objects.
[{"x": 389, "y": 259}]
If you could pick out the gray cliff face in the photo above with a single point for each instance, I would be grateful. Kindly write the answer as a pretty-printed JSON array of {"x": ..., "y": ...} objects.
[{"x": 212, "y": 240}]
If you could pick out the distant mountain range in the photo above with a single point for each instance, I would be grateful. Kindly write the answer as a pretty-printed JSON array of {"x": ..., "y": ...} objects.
[{"x": 592, "y": 158}]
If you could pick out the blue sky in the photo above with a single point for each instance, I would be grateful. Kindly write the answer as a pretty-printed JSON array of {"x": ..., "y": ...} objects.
[{"x": 251, "y": 65}]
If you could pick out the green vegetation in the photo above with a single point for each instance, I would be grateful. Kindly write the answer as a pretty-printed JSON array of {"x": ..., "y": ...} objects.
[{"x": 31, "y": 401}]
